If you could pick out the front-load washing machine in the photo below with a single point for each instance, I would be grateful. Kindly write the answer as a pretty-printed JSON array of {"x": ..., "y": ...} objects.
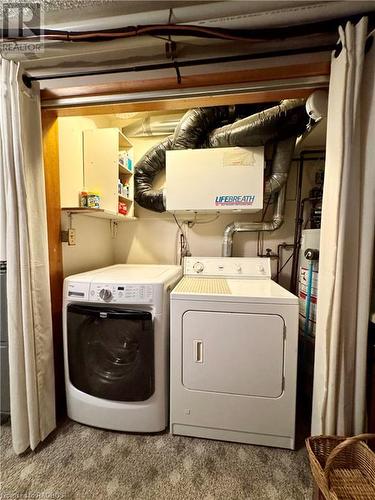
[
  {"x": 234, "y": 336},
  {"x": 116, "y": 338}
]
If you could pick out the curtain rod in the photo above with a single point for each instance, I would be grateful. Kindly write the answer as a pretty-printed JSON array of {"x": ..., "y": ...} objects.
[{"x": 27, "y": 79}]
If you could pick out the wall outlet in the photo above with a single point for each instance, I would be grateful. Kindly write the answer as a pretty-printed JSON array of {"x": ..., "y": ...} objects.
[{"x": 71, "y": 237}]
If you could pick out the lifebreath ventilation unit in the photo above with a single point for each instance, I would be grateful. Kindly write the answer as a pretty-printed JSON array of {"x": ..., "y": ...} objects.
[{"x": 215, "y": 180}]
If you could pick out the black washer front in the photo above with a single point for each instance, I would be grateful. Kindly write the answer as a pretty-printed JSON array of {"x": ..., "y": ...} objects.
[{"x": 111, "y": 352}]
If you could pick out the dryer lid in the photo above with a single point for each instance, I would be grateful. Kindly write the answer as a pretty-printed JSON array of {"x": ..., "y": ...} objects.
[{"x": 232, "y": 290}]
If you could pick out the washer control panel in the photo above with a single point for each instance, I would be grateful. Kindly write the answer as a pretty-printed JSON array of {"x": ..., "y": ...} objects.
[
  {"x": 110, "y": 293},
  {"x": 120, "y": 293},
  {"x": 229, "y": 267}
]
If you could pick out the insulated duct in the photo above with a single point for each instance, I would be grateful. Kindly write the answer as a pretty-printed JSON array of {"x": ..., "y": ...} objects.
[
  {"x": 191, "y": 132},
  {"x": 280, "y": 165},
  {"x": 146, "y": 169},
  {"x": 272, "y": 124},
  {"x": 204, "y": 127},
  {"x": 152, "y": 126}
]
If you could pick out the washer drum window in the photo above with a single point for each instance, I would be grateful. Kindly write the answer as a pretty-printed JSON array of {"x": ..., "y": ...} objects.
[{"x": 111, "y": 352}]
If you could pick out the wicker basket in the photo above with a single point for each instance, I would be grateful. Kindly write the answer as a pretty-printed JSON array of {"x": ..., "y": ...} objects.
[{"x": 343, "y": 468}]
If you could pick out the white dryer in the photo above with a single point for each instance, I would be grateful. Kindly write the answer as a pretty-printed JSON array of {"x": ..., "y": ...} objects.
[
  {"x": 116, "y": 336},
  {"x": 234, "y": 337}
]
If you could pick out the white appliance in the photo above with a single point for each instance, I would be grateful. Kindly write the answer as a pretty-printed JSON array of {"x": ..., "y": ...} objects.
[
  {"x": 234, "y": 336},
  {"x": 116, "y": 333},
  {"x": 215, "y": 180}
]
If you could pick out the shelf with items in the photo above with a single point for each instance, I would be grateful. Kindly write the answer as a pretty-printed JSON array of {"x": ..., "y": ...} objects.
[
  {"x": 108, "y": 170},
  {"x": 125, "y": 187}
]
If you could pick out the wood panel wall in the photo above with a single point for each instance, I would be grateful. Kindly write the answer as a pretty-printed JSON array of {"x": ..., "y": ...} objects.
[
  {"x": 190, "y": 81},
  {"x": 52, "y": 186}
]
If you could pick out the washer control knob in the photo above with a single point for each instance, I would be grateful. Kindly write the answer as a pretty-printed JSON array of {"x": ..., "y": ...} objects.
[
  {"x": 261, "y": 269},
  {"x": 238, "y": 268},
  {"x": 198, "y": 267},
  {"x": 105, "y": 294}
]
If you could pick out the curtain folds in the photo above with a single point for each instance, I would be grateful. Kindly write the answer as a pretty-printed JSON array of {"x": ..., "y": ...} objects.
[
  {"x": 347, "y": 241},
  {"x": 31, "y": 372}
]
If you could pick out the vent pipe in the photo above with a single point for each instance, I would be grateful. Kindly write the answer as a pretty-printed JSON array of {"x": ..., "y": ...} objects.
[
  {"x": 276, "y": 183},
  {"x": 272, "y": 225},
  {"x": 152, "y": 126}
]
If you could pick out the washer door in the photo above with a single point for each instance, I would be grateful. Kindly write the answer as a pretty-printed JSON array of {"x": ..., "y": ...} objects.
[
  {"x": 111, "y": 352},
  {"x": 233, "y": 353}
]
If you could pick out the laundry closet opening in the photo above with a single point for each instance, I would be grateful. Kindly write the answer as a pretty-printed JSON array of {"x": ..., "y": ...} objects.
[{"x": 96, "y": 171}]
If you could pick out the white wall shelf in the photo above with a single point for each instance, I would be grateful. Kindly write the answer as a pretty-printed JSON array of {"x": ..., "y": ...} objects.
[
  {"x": 124, "y": 198},
  {"x": 124, "y": 142},
  {"x": 100, "y": 213}
]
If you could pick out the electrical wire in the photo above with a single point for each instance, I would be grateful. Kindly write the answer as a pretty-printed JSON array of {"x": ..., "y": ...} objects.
[
  {"x": 184, "y": 243},
  {"x": 191, "y": 224},
  {"x": 133, "y": 31}
]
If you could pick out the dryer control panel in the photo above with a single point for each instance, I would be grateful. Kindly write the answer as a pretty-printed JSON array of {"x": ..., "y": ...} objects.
[{"x": 228, "y": 267}]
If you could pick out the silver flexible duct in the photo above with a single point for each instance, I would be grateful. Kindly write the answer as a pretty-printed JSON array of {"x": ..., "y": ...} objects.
[
  {"x": 275, "y": 223},
  {"x": 287, "y": 119},
  {"x": 280, "y": 165}
]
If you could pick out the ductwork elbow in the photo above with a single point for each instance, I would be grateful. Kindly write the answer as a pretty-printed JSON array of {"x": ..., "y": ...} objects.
[
  {"x": 227, "y": 245},
  {"x": 276, "y": 222},
  {"x": 274, "y": 183}
]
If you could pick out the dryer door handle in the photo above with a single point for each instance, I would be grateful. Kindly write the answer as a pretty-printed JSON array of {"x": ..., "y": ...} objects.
[{"x": 198, "y": 351}]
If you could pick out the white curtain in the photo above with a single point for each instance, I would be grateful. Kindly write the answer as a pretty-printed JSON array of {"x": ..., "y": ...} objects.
[
  {"x": 32, "y": 398},
  {"x": 347, "y": 240}
]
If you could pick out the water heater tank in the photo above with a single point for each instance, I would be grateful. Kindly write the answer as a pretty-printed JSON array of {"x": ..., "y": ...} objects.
[
  {"x": 310, "y": 239},
  {"x": 215, "y": 180}
]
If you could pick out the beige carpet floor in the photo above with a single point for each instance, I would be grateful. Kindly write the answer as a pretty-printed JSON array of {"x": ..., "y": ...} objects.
[{"x": 84, "y": 463}]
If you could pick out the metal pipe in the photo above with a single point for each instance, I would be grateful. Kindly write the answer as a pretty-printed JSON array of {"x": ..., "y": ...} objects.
[
  {"x": 279, "y": 248},
  {"x": 250, "y": 227},
  {"x": 276, "y": 183},
  {"x": 293, "y": 277},
  {"x": 305, "y": 155}
]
